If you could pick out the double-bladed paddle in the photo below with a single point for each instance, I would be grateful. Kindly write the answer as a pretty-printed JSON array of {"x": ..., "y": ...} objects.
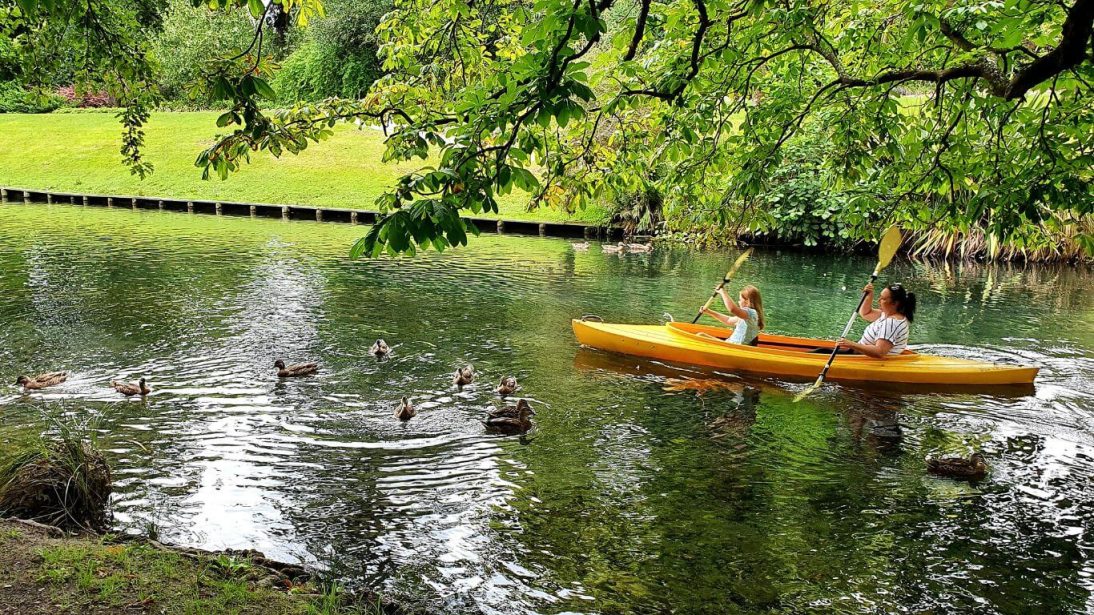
[
  {"x": 729, "y": 274},
  {"x": 889, "y": 244}
]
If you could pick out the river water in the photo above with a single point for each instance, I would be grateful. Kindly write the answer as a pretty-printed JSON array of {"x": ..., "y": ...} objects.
[{"x": 643, "y": 488}]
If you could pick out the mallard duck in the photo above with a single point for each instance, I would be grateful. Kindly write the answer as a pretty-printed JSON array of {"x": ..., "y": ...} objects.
[
  {"x": 380, "y": 349},
  {"x": 511, "y": 419},
  {"x": 41, "y": 381},
  {"x": 404, "y": 410},
  {"x": 509, "y": 411},
  {"x": 958, "y": 467},
  {"x": 580, "y": 246},
  {"x": 610, "y": 249},
  {"x": 639, "y": 247},
  {"x": 507, "y": 386},
  {"x": 464, "y": 376},
  {"x": 299, "y": 369},
  {"x": 129, "y": 390}
]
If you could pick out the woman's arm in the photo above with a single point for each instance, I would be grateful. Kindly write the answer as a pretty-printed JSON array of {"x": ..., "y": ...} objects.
[
  {"x": 877, "y": 350},
  {"x": 866, "y": 310},
  {"x": 729, "y": 320},
  {"x": 731, "y": 305}
]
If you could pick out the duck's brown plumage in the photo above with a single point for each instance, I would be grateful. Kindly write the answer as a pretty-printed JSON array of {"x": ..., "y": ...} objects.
[
  {"x": 41, "y": 381},
  {"x": 404, "y": 410},
  {"x": 959, "y": 467},
  {"x": 464, "y": 376},
  {"x": 512, "y": 420},
  {"x": 299, "y": 369},
  {"x": 380, "y": 349},
  {"x": 129, "y": 389},
  {"x": 507, "y": 386}
]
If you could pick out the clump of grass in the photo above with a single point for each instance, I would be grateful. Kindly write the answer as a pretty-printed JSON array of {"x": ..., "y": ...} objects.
[{"x": 61, "y": 480}]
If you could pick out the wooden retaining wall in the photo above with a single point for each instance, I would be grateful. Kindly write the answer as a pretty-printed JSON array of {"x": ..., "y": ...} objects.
[{"x": 296, "y": 212}]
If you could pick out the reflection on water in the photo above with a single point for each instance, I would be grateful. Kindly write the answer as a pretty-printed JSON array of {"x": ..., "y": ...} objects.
[{"x": 645, "y": 486}]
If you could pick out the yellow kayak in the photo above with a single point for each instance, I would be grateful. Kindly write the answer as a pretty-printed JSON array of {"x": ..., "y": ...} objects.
[{"x": 779, "y": 355}]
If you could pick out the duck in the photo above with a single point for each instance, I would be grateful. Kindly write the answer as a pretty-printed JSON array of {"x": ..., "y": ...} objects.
[
  {"x": 380, "y": 349},
  {"x": 299, "y": 369},
  {"x": 129, "y": 389},
  {"x": 610, "y": 249},
  {"x": 41, "y": 381},
  {"x": 958, "y": 467},
  {"x": 507, "y": 386},
  {"x": 464, "y": 376},
  {"x": 508, "y": 411},
  {"x": 580, "y": 246},
  {"x": 639, "y": 247},
  {"x": 404, "y": 410},
  {"x": 511, "y": 419}
]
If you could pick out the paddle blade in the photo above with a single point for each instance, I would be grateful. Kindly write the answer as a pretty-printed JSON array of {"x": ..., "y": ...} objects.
[
  {"x": 737, "y": 263},
  {"x": 809, "y": 390},
  {"x": 890, "y": 242}
]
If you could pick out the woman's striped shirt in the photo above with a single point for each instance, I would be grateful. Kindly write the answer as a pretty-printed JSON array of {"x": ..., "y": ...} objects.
[{"x": 887, "y": 328}]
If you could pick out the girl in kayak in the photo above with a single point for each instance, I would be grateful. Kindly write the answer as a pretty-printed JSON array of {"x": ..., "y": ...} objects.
[
  {"x": 889, "y": 322},
  {"x": 748, "y": 315}
]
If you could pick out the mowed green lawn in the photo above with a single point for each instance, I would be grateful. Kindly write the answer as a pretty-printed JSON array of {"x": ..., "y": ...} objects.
[{"x": 79, "y": 152}]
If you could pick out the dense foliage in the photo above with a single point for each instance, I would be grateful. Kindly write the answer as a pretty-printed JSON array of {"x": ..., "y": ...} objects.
[
  {"x": 931, "y": 113},
  {"x": 189, "y": 38},
  {"x": 337, "y": 56},
  {"x": 974, "y": 115}
]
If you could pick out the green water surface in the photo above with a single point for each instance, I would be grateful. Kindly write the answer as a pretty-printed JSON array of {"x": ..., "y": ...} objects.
[{"x": 644, "y": 488}]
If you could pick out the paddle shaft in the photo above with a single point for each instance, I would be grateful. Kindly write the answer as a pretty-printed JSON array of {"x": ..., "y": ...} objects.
[
  {"x": 725, "y": 281},
  {"x": 846, "y": 330}
]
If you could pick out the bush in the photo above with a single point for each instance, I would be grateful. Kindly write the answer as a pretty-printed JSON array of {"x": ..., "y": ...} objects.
[
  {"x": 190, "y": 37},
  {"x": 65, "y": 482},
  {"x": 15, "y": 99},
  {"x": 92, "y": 100},
  {"x": 337, "y": 56}
]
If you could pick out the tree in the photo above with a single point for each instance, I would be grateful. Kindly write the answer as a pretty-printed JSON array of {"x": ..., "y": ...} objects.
[
  {"x": 971, "y": 112},
  {"x": 967, "y": 113}
]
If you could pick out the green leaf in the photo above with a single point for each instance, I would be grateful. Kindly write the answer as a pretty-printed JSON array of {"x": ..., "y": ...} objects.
[{"x": 263, "y": 88}]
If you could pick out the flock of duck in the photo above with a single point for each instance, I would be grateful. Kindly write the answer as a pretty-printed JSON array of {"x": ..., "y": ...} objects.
[
  {"x": 618, "y": 248},
  {"x": 510, "y": 419}
]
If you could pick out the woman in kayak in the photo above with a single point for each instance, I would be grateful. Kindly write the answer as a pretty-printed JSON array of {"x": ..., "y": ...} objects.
[
  {"x": 748, "y": 315},
  {"x": 889, "y": 323}
]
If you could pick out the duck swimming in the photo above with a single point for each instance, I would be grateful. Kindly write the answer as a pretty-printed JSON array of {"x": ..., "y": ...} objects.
[
  {"x": 507, "y": 386},
  {"x": 958, "y": 467},
  {"x": 41, "y": 381},
  {"x": 580, "y": 246},
  {"x": 639, "y": 247},
  {"x": 610, "y": 249},
  {"x": 404, "y": 410},
  {"x": 299, "y": 369},
  {"x": 464, "y": 376},
  {"x": 129, "y": 390},
  {"x": 511, "y": 419},
  {"x": 380, "y": 349}
]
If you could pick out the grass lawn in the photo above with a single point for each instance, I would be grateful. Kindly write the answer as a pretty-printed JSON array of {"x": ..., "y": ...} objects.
[
  {"x": 89, "y": 574},
  {"x": 79, "y": 152}
]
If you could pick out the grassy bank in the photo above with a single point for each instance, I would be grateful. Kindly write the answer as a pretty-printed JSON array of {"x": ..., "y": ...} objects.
[
  {"x": 43, "y": 572},
  {"x": 78, "y": 152}
]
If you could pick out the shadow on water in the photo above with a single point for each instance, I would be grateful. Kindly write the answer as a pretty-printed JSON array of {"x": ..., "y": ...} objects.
[{"x": 645, "y": 487}]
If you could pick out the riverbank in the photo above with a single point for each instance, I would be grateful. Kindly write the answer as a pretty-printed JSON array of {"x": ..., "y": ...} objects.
[
  {"x": 78, "y": 153},
  {"x": 47, "y": 571}
]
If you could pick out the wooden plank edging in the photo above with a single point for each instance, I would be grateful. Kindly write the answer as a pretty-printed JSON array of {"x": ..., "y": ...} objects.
[{"x": 9, "y": 195}]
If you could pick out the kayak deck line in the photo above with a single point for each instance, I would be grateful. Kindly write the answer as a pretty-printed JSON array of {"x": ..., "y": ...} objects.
[{"x": 786, "y": 356}]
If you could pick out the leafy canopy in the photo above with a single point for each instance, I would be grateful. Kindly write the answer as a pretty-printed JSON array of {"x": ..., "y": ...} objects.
[{"x": 974, "y": 113}]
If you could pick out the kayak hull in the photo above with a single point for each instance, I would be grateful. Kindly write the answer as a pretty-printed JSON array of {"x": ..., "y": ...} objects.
[{"x": 785, "y": 356}]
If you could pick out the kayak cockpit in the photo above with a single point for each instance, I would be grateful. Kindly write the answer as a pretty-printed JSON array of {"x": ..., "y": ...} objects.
[{"x": 767, "y": 341}]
